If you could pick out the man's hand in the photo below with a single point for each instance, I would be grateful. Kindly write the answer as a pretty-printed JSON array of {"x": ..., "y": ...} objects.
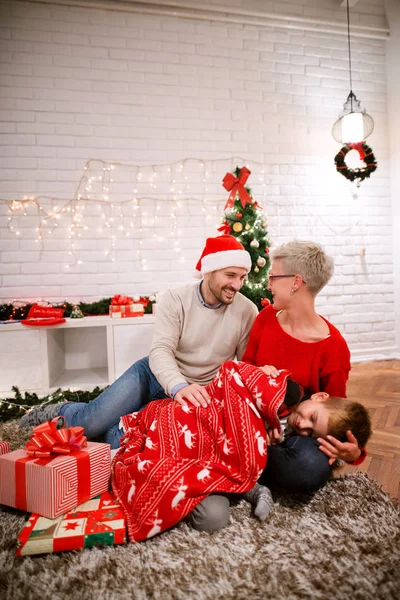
[
  {"x": 195, "y": 394},
  {"x": 347, "y": 451},
  {"x": 274, "y": 436},
  {"x": 270, "y": 370}
]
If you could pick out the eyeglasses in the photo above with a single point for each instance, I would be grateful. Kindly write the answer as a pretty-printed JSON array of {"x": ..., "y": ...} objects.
[{"x": 272, "y": 277}]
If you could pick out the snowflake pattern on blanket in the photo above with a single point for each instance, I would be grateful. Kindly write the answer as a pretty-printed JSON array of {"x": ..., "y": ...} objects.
[{"x": 173, "y": 456}]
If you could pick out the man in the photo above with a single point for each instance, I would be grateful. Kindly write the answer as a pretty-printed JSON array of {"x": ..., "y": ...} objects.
[{"x": 198, "y": 327}]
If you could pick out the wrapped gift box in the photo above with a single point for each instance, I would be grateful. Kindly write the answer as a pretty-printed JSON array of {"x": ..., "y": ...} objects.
[
  {"x": 98, "y": 521},
  {"x": 4, "y": 447},
  {"x": 53, "y": 485},
  {"x": 126, "y": 310}
]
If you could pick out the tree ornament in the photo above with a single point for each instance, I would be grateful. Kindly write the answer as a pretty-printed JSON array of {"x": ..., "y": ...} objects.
[
  {"x": 261, "y": 261},
  {"x": 247, "y": 226},
  {"x": 76, "y": 312},
  {"x": 255, "y": 244},
  {"x": 239, "y": 215},
  {"x": 366, "y": 155},
  {"x": 266, "y": 250},
  {"x": 256, "y": 269},
  {"x": 237, "y": 227}
]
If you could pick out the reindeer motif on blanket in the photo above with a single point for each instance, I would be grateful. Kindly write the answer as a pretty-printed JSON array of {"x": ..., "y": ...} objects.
[{"x": 174, "y": 456}]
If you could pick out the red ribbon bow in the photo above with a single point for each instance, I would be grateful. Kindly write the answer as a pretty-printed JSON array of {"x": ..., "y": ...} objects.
[
  {"x": 359, "y": 146},
  {"x": 236, "y": 185},
  {"x": 118, "y": 300},
  {"x": 47, "y": 439},
  {"x": 225, "y": 228},
  {"x": 144, "y": 301}
]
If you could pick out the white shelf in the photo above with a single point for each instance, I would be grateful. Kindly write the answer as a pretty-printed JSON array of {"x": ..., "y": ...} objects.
[
  {"x": 80, "y": 353},
  {"x": 83, "y": 378}
]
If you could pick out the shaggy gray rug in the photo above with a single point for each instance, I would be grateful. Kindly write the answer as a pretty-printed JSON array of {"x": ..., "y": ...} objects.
[{"x": 341, "y": 543}]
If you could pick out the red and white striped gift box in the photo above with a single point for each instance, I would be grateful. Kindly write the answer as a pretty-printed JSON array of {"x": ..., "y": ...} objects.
[
  {"x": 53, "y": 486},
  {"x": 4, "y": 447}
]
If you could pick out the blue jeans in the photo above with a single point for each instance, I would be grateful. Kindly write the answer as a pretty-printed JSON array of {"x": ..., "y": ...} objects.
[
  {"x": 296, "y": 465},
  {"x": 129, "y": 393}
]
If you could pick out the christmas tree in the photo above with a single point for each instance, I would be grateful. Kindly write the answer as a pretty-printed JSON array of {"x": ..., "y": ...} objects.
[{"x": 245, "y": 220}]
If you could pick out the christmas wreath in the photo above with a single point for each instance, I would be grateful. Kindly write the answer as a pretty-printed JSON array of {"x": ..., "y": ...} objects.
[{"x": 366, "y": 155}]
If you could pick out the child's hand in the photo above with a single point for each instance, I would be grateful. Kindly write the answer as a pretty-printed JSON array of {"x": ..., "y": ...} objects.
[
  {"x": 347, "y": 451},
  {"x": 274, "y": 436}
]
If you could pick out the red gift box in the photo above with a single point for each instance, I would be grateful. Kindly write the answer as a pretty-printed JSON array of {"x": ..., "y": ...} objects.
[
  {"x": 98, "y": 521},
  {"x": 54, "y": 484},
  {"x": 126, "y": 310},
  {"x": 4, "y": 447}
]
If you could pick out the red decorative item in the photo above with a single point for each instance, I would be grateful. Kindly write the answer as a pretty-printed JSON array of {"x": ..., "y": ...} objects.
[
  {"x": 44, "y": 316},
  {"x": 53, "y": 484},
  {"x": 4, "y": 447},
  {"x": 265, "y": 302},
  {"x": 236, "y": 185},
  {"x": 144, "y": 301},
  {"x": 47, "y": 439},
  {"x": 98, "y": 521},
  {"x": 126, "y": 310},
  {"x": 239, "y": 215},
  {"x": 119, "y": 300},
  {"x": 359, "y": 146},
  {"x": 225, "y": 228},
  {"x": 266, "y": 250}
]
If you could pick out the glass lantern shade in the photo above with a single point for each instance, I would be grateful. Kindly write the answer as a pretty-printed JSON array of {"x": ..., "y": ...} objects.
[{"x": 353, "y": 125}]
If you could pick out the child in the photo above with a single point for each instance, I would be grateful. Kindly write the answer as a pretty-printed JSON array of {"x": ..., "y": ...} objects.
[
  {"x": 173, "y": 456},
  {"x": 317, "y": 417}
]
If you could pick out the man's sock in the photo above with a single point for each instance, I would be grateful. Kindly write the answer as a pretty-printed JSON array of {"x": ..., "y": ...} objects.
[
  {"x": 261, "y": 498},
  {"x": 40, "y": 414}
]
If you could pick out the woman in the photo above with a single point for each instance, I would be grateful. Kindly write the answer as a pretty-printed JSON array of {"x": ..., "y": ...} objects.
[{"x": 291, "y": 335}]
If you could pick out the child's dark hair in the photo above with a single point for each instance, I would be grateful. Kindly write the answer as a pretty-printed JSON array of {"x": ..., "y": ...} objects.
[{"x": 345, "y": 414}]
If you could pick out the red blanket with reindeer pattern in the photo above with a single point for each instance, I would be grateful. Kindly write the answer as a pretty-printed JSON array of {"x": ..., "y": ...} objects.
[{"x": 173, "y": 456}]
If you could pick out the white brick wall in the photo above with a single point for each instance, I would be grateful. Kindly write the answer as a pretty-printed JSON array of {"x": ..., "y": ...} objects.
[{"x": 80, "y": 83}]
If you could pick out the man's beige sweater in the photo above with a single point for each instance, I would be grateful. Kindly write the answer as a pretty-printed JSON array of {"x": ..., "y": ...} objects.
[{"x": 191, "y": 341}]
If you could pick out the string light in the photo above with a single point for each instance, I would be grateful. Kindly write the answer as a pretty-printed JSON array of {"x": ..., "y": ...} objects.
[{"x": 111, "y": 199}]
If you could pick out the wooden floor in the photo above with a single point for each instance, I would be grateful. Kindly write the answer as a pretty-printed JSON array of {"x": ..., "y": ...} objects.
[{"x": 377, "y": 386}]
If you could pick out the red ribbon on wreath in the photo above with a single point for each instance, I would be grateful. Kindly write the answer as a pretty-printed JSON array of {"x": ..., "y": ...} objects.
[
  {"x": 359, "y": 146},
  {"x": 47, "y": 439},
  {"x": 236, "y": 185}
]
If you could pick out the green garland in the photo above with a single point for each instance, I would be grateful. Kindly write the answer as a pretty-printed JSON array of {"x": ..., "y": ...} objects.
[
  {"x": 15, "y": 407},
  {"x": 366, "y": 155},
  {"x": 20, "y": 311}
]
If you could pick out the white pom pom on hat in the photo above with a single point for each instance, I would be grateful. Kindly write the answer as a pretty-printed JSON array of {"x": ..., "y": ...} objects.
[{"x": 221, "y": 252}]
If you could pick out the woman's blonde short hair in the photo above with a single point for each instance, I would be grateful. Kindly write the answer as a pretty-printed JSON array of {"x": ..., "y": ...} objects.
[{"x": 307, "y": 259}]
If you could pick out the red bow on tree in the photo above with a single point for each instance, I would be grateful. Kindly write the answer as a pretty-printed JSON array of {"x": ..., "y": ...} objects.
[
  {"x": 236, "y": 185},
  {"x": 47, "y": 439},
  {"x": 225, "y": 227}
]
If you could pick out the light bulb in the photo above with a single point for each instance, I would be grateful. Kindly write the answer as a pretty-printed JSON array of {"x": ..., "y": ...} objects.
[{"x": 352, "y": 128}]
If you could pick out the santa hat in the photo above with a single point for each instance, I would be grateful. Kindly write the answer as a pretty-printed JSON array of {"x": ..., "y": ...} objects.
[{"x": 221, "y": 252}]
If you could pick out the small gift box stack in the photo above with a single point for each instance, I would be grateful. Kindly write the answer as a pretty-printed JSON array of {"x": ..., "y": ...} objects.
[
  {"x": 124, "y": 306},
  {"x": 98, "y": 521},
  {"x": 57, "y": 470}
]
